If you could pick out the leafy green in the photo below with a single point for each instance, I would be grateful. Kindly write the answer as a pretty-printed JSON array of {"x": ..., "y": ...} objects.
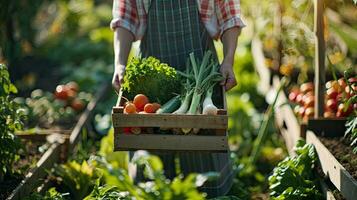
[
  {"x": 351, "y": 132},
  {"x": 293, "y": 177},
  {"x": 51, "y": 194},
  {"x": 79, "y": 179},
  {"x": 158, "y": 81},
  {"x": 11, "y": 119},
  {"x": 157, "y": 187}
]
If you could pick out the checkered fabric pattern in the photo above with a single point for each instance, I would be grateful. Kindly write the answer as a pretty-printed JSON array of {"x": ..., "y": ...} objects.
[
  {"x": 175, "y": 29},
  {"x": 216, "y": 15}
]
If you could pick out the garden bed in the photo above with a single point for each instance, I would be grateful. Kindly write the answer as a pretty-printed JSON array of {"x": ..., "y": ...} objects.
[
  {"x": 32, "y": 177},
  {"x": 60, "y": 142},
  {"x": 29, "y": 155},
  {"x": 332, "y": 168}
]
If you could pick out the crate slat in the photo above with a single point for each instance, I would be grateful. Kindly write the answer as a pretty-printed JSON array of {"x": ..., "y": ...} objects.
[
  {"x": 338, "y": 175},
  {"x": 171, "y": 142},
  {"x": 170, "y": 121}
]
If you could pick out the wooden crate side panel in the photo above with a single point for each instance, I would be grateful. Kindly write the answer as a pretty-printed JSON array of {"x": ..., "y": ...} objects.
[
  {"x": 338, "y": 175},
  {"x": 171, "y": 142},
  {"x": 36, "y": 175},
  {"x": 170, "y": 121}
]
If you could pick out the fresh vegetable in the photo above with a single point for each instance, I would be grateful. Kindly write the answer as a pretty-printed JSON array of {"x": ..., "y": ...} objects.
[
  {"x": 140, "y": 101},
  {"x": 208, "y": 107},
  {"x": 149, "y": 108},
  {"x": 339, "y": 98},
  {"x": 156, "y": 106},
  {"x": 149, "y": 76},
  {"x": 184, "y": 104},
  {"x": 293, "y": 178},
  {"x": 130, "y": 108},
  {"x": 205, "y": 76},
  {"x": 170, "y": 106},
  {"x": 351, "y": 132}
]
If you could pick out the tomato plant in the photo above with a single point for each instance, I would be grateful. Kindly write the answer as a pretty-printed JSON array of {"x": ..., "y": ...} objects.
[{"x": 11, "y": 119}]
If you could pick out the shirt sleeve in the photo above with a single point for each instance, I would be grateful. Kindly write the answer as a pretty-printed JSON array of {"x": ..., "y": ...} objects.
[
  {"x": 228, "y": 14},
  {"x": 125, "y": 15}
]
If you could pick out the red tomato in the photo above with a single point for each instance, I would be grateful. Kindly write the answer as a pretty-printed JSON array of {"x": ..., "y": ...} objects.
[
  {"x": 77, "y": 105},
  {"x": 309, "y": 101},
  {"x": 149, "y": 108},
  {"x": 306, "y": 87},
  {"x": 332, "y": 93},
  {"x": 73, "y": 86},
  {"x": 140, "y": 101},
  {"x": 309, "y": 112},
  {"x": 329, "y": 114},
  {"x": 352, "y": 80},
  {"x": 156, "y": 106},
  {"x": 299, "y": 99},
  {"x": 332, "y": 84},
  {"x": 341, "y": 112},
  {"x": 130, "y": 108},
  {"x": 126, "y": 130},
  {"x": 342, "y": 82},
  {"x": 331, "y": 105},
  {"x": 61, "y": 92},
  {"x": 292, "y": 96}
]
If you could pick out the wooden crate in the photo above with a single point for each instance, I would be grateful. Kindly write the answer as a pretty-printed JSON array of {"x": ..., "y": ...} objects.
[
  {"x": 214, "y": 140},
  {"x": 337, "y": 174}
]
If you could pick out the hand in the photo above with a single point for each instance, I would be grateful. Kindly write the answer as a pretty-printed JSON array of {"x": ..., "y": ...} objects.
[
  {"x": 118, "y": 77},
  {"x": 229, "y": 79}
]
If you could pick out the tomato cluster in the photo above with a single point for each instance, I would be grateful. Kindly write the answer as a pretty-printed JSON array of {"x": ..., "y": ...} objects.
[
  {"x": 68, "y": 93},
  {"x": 141, "y": 105},
  {"x": 336, "y": 97}
]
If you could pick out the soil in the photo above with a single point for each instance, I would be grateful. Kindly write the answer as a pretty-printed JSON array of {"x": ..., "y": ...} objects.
[
  {"x": 29, "y": 155},
  {"x": 341, "y": 149}
]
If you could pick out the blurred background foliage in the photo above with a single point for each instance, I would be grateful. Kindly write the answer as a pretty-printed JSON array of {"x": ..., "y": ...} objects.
[{"x": 47, "y": 42}]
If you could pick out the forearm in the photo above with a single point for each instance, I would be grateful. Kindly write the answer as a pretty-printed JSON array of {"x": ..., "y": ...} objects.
[
  {"x": 123, "y": 40},
  {"x": 229, "y": 40}
]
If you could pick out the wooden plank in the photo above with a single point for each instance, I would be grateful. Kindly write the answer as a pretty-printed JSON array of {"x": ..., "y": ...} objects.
[
  {"x": 85, "y": 116},
  {"x": 36, "y": 175},
  {"x": 328, "y": 127},
  {"x": 260, "y": 66},
  {"x": 170, "y": 121},
  {"x": 338, "y": 175},
  {"x": 326, "y": 191},
  {"x": 286, "y": 120},
  {"x": 125, "y": 142},
  {"x": 319, "y": 58}
]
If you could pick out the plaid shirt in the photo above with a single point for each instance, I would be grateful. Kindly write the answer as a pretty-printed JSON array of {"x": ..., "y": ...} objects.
[{"x": 216, "y": 15}]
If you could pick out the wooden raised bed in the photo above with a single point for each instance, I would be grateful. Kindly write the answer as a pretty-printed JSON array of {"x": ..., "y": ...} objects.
[
  {"x": 62, "y": 142},
  {"x": 35, "y": 176},
  {"x": 286, "y": 120},
  {"x": 336, "y": 173},
  {"x": 213, "y": 141}
]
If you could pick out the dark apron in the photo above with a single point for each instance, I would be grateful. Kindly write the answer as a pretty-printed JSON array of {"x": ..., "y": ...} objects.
[{"x": 174, "y": 30}]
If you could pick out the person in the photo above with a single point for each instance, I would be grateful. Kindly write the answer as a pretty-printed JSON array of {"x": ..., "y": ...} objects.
[{"x": 170, "y": 30}]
